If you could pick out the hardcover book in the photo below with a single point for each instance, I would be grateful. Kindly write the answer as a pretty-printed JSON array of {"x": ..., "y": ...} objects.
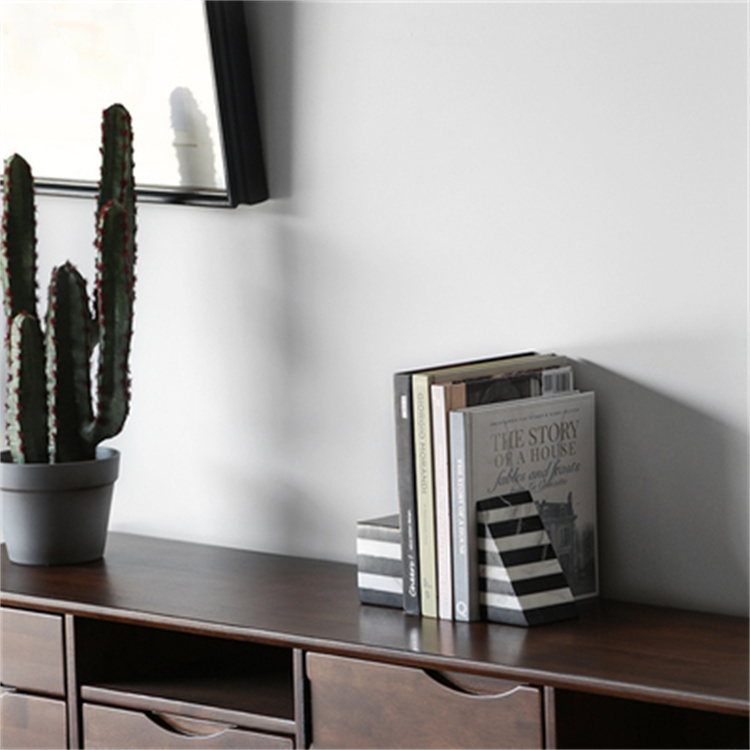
[
  {"x": 407, "y": 498},
  {"x": 544, "y": 445},
  {"x": 446, "y": 397},
  {"x": 414, "y": 466}
]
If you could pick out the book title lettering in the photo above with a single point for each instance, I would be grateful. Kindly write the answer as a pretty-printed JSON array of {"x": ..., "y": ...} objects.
[
  {"x": 535, "y": 458},
  {"x": 410, "y": 558},
  {"x": 461, "y": 515},
  {"x": 421, "y": 422},
  {"x": 548, "y": 441}
]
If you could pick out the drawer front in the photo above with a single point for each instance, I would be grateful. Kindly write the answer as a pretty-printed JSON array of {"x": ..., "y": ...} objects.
[
  {"x": 30, "y": 721},
  {"x": 105, "y": 727},
  {"x": 32, "y": 651},
  {"x": 357, "y": 704}
]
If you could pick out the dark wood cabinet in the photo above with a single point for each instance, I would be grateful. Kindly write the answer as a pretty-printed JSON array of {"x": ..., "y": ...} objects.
[
  {"x": 31, "y": 721},
  {"x": 169, "y": 644},
  {"x": 105, "y": 728},
  {"x": 363, "y": 704},
  {"x": 33, "y": 713},
  {"x": 32, "y": 650}
]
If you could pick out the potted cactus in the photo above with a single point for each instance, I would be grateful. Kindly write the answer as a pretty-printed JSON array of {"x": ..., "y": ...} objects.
[{"x": 56, "y": 479}]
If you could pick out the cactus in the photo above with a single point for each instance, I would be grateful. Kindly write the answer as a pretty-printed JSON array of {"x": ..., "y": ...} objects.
[{"x": 51, "y": 413}]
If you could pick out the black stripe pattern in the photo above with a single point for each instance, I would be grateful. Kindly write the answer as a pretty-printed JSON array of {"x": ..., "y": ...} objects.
[
  {"x": 520, "y": 578},
  {"x": 379, "y": 565}
]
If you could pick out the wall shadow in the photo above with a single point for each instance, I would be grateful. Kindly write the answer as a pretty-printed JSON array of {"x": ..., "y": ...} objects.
[
  {"x": 672, "y": 498},
  {"x": 270, "y": 29},
  {"x": 283, "y": 498}
]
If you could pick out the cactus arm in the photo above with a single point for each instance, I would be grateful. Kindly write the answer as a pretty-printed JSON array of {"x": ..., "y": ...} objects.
[
  {"x": 26, "y": 408},
  {"x": 116, "y": 182},
  {"x": 18, "y": 257},
  {"x": 115, "y": 296},
  {"x": 68, "y": 346}
]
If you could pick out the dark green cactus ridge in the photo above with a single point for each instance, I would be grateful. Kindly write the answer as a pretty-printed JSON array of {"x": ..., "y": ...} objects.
[
  {"x": 50, "y": 412},
  {"x": 18, "y": 257},
  {"x": 26, "y": 405},
  {"x": 68, "y": 351},
  {"x": 114, "y": 305},
  {"x": 116, "y": 182}
]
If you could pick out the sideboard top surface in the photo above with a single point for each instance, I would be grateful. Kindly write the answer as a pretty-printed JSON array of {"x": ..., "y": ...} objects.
[{"x": 672, "y": 656}]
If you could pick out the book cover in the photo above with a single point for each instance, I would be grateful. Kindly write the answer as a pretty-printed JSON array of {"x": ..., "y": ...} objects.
[
  {"x": 405, "y": 469},
  {"x": 379, "y": 568},
  {"x": 545, "y": 445}
]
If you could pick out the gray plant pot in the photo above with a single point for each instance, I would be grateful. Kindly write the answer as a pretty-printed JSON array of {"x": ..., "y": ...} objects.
[{"x": 57, "y": 514}]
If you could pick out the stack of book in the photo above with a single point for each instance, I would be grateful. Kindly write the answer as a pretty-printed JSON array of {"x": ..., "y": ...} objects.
[{"x": 482, "y": 432}]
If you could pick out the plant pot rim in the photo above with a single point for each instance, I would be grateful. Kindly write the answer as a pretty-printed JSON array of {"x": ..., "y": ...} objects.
[
  {"x": 101, "y": 453},
  {"x": 95, "y": 472}
]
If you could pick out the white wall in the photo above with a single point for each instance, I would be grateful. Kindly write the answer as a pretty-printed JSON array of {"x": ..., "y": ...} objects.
[{"x": 455, "y": 181}]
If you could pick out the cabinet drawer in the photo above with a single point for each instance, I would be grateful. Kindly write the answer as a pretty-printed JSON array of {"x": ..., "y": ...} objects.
[
  {"x": 30, "y": 721},
  {"x": 105, "y": 727},
  {"x": 32, "y": 651},
  {"x": 357, "y": 704}
]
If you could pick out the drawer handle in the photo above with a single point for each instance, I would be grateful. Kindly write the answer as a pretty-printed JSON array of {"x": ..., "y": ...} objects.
[
  {"x": 454, "y": 684},
  {"x": 187, "y": 727}
]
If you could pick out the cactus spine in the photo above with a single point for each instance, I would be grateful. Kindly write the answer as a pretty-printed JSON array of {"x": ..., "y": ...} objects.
[{"x": 51, "y": 414}]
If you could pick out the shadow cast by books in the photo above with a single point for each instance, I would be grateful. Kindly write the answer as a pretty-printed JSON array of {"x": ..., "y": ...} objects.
[{"x": 672, "y": 513}]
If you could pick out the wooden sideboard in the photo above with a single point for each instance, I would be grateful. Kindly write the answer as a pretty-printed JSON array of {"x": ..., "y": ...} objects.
[{"x": 172, "y": 644}]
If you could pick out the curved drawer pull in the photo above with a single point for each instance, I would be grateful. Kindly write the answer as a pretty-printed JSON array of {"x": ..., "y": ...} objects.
[
  {"x": 187, "y": 727},
  {"x": 467, "y": 684}
]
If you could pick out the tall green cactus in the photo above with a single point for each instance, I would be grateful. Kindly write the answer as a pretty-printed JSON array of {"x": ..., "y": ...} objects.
[{"x": 50, "y": 412}]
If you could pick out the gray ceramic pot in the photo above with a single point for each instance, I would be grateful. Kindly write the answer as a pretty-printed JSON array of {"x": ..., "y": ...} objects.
[{"x": 57, "y": 514}]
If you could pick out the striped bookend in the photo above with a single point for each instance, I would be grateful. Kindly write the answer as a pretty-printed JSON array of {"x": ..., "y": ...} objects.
[
  {"x": 379, "y": 569},
  {"x": 520, "y": 578}
]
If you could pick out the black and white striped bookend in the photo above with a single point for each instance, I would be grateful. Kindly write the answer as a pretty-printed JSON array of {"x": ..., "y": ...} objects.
[
  {"x": 520, "y": 578},
  {"x": 379, "y": 569}
]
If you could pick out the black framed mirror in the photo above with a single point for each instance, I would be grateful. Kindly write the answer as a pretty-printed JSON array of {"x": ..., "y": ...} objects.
[{"x": 183, "y": 69}]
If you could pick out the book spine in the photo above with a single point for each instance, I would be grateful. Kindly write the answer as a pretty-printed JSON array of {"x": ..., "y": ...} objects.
[
  {"x": 442, "y": 501},
  {"x": 406, "y": 490},
  {"x": 425, "y": 495},
  {"x": 465, "y": 568}
]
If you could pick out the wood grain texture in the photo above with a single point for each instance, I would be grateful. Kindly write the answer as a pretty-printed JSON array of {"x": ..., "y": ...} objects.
[
  {"x": 360, "y": 704},
  {"x": 105, "y": 728},
  {"x": 662, "y": 655},
  {"x": 31, "y": 651},
  {"x": 29, "y": 721}
]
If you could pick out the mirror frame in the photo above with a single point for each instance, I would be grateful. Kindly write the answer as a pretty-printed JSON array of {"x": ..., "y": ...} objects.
[
  {"x": 243, "y": 150},
  {"x": 244, "y": 165}
]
